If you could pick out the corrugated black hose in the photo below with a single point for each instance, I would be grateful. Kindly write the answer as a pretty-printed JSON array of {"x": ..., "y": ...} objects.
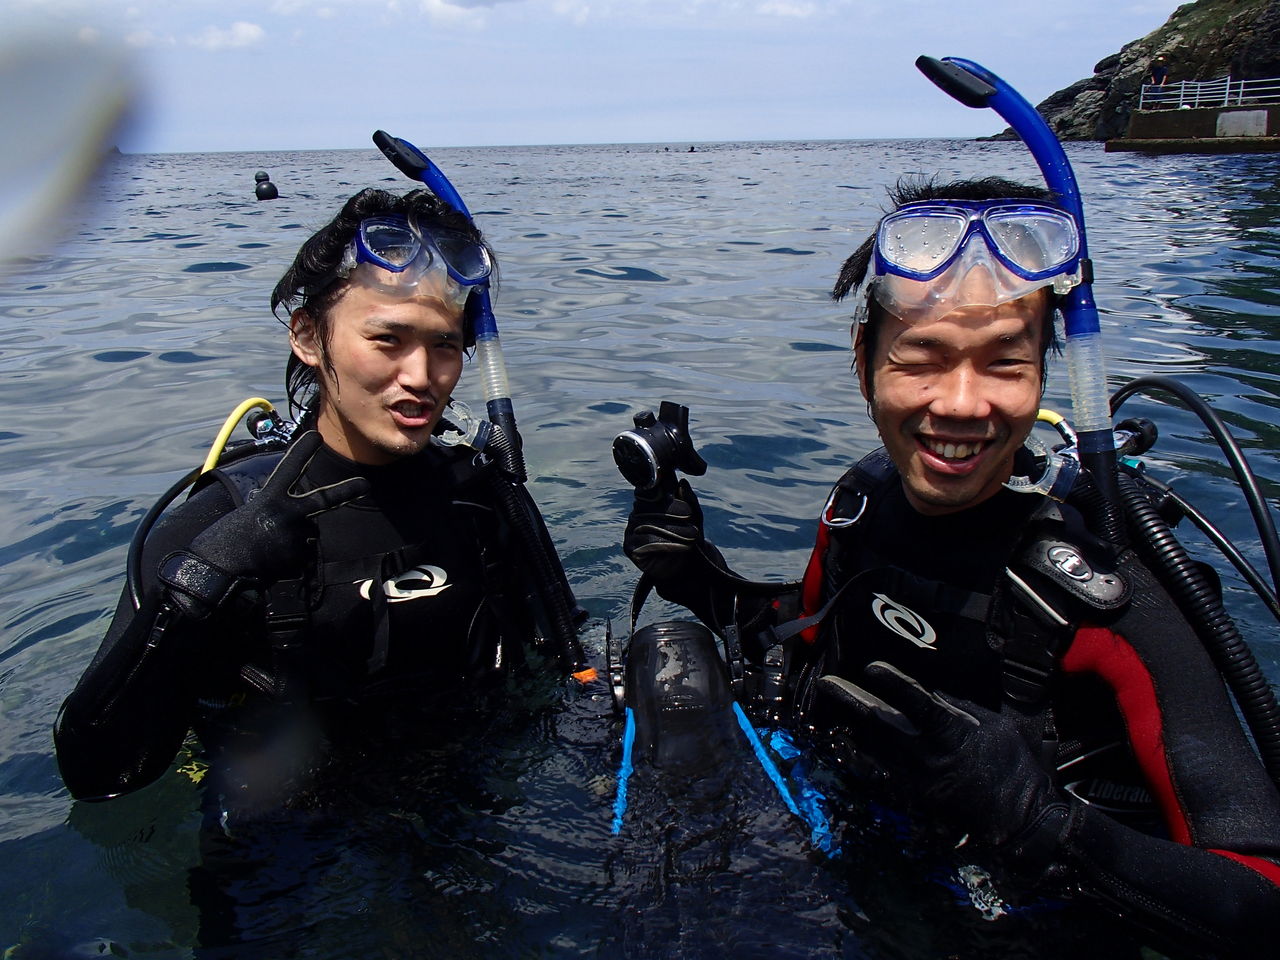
[
  {"x": 1201, "y": 603},
  {"x": 520, "y": 511},
  {"x": 546, "y": 568}
]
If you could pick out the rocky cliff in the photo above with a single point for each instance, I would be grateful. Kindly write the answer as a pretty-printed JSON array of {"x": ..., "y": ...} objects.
[{"x": 1205, "y": 40}]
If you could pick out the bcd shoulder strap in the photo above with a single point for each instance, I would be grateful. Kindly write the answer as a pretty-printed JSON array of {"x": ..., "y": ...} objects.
[{"x": 1051, "y": 586}]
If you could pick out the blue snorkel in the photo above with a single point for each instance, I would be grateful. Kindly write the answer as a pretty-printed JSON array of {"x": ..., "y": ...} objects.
[
  {"x": 416, "y": 165},
  {"x": 561, "y": 609},
  {"x": 976, "y": 86}
]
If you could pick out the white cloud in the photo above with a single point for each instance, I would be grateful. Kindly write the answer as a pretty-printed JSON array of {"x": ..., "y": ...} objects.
[
  {"x": 782, "y": 9},
  {"x": 145, "y": 38},
  {"x": 239, "y": 34},
  {"x": 442, "y": 11},
  {"x": 574, "y": 10}
]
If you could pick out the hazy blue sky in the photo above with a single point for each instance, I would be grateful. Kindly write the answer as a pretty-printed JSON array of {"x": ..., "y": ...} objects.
[{"x": 304, "y": 74}]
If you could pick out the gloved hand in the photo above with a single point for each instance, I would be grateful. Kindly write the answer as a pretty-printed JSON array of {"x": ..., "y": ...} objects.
[
  {"x": 664, "y": 533},
  {"x": 258, "y": 543},
  {"x": 968, "y": 767}
]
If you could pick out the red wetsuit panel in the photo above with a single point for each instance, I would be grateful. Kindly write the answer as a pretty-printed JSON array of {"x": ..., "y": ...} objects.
[
  {"x": 1108, "y": 655},
  {"x": 811, "y": 585}
]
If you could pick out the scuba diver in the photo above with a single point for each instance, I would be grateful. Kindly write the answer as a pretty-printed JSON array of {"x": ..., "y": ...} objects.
[
  {"x": 361, "y": 567},
  {"x": 1005, "y": 640}
]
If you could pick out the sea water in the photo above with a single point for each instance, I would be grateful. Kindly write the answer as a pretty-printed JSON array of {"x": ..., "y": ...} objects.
[{"x": 630, "y": 274}]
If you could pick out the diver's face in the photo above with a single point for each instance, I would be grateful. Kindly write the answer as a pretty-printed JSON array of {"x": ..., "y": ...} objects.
[
  {"x": 955, "y": 397},
  {"x": 393, "y": 363}
]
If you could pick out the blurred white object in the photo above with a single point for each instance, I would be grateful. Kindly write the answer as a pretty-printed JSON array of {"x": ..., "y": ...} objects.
[{"x": 61, "y": 104}]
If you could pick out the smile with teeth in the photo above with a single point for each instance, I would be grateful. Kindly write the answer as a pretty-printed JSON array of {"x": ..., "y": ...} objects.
[
  {"x": 412, "y": 413},
  {"x": 951, "y": 450}
]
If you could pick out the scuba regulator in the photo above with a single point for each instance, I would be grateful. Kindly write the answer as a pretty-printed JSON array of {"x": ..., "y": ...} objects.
[{"x": 649, "y": 456}]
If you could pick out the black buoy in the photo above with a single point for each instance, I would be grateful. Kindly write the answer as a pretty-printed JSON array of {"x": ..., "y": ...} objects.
[{"x": 265, "y": 190}]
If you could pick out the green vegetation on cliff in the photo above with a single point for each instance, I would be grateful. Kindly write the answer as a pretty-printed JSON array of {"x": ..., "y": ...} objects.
[{"x": 1204, "y": 40}]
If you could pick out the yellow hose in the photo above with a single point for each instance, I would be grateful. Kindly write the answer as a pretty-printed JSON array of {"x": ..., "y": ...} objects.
[
  {"x": 220, "y": 441},
  {"x": 1059, "y": 423}
]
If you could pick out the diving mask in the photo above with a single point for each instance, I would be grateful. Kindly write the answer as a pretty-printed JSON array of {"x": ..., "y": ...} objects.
[
  {"x": 394, "y": 255},
  {"x": 936, "y": 256}
]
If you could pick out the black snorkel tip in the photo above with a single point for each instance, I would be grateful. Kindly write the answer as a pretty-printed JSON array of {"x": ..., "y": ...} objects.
[
  {"x": 406, "y": 158},
  {"x": 956, "y": 82}
]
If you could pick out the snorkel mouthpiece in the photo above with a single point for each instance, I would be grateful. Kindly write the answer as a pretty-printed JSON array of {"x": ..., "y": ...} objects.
[{"x": 975, "y": 86}]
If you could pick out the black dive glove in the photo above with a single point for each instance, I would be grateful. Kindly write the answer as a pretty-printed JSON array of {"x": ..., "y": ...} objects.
[
  {"x": 664, "y": 533},
  {"x": 968, "y": 767},
  {"x": 258, "y": 543}
]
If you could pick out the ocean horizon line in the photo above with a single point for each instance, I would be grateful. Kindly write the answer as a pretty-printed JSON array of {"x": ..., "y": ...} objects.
[{"x": 659, "y": 144}]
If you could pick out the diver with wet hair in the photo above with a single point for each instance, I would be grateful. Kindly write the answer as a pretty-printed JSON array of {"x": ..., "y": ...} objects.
[
  {"x": 364, "y": 578},
  {"x": 985, "y": 637}
]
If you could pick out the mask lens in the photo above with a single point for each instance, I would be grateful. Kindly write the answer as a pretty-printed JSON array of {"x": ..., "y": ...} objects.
[
  {"x": 391, "y": 245},
  {"x": 467, "y": 260},
  {"x": 921, "y": 242},
  {"x": 1032, "y": 240}
]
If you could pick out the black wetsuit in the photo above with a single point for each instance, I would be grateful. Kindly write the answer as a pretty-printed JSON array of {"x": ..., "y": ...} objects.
[
  {"x": 1180, "y": 832},
  {"x": 412, "y": 599}
]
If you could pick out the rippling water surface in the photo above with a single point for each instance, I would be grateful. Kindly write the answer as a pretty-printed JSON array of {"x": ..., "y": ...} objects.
[{"x": 630, "y": 274}]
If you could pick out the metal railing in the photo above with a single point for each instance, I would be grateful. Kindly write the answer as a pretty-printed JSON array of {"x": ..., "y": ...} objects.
[{"x": 1210, "y": 93}]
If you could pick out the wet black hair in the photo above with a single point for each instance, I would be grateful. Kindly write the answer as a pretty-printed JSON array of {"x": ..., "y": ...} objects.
[
  {"x": 311, "y": 282},
  {"x": 910, "y": 190}
]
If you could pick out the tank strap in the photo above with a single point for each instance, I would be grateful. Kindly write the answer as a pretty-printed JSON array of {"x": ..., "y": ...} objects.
[
  {"x": 287, "y": 602},
  {"x": 241, "y": 478}
]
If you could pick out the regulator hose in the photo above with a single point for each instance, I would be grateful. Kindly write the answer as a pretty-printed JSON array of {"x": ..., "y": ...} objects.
[
  {"x": 1249, "y": 486},
  {"x": 1099, "y": 512},
  {"x": 1202, "y": 605}
]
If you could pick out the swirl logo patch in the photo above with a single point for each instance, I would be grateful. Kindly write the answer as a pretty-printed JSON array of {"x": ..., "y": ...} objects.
[
  {"x": 423, "y": 581},
  {"x": 904, "y": 622}
]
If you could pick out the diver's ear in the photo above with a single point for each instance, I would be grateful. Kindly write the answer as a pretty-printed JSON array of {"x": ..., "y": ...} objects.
[
  {"x": 860, "y": 358},
  {"x": 304, "y": 338}
]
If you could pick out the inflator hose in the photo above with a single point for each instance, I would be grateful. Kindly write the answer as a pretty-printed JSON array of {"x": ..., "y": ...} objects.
[{"x": 1200, "y": 602}]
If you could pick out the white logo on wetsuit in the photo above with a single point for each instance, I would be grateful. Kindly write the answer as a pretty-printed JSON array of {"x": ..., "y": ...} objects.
[
  {"x": 903, "y": 621},
  {"x": 424, "y": 581}
]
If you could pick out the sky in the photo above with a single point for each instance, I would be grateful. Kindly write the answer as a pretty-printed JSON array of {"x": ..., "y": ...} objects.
[{"x": 217, "y": 75}]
